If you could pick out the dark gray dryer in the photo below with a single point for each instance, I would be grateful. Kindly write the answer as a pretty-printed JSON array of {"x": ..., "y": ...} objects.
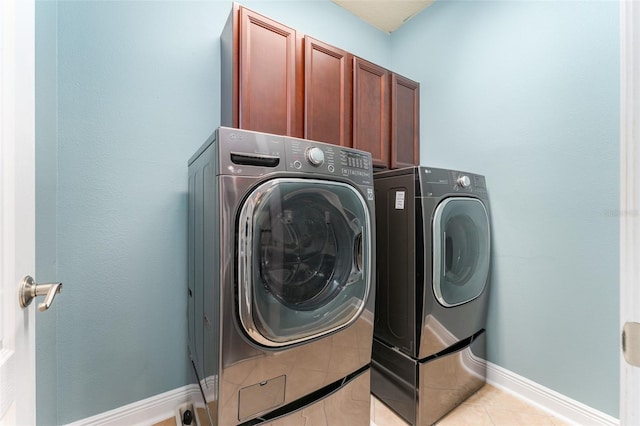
[{"x": 433, "y": 257}]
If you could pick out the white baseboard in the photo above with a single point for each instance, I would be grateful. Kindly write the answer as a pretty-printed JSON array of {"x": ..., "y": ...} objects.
[
  {"x": 162, "y": 406},
  {"x": 146, "y": 412},
  {"x": 550, "y": 401}
]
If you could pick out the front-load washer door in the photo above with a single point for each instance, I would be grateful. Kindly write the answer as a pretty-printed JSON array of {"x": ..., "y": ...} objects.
[
  {"x": 304, "y": 260},
  {"x": 461, "y": 245}
]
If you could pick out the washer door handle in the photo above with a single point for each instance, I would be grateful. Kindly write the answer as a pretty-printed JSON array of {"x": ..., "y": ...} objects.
[
  {"x": 357, "y": 262},
  {"x": 29, "y": 290}
]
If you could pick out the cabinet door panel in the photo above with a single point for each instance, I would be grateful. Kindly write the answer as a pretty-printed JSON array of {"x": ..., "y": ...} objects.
[
  {"x": 405, "y": 125},
  {"x": 267, "y": 75},
  {"x": 371, "y": 110},
  {"x": 327, "y": 93}
]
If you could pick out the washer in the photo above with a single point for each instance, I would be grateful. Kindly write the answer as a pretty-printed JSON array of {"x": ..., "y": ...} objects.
[
  {"x": 433, "y": 239},
  {"x": 281, "y": 290}
]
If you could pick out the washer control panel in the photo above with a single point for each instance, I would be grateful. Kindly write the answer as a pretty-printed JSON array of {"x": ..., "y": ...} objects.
[
  {"x": 307, "y": 156},
  {"x": 356, "y": 165},
  {"x": 316, "y": 157},
  {"x": 248, "y": 153}
]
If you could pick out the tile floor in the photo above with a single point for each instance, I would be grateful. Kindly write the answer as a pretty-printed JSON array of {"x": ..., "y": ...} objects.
[{"x": 487, "y": 407}]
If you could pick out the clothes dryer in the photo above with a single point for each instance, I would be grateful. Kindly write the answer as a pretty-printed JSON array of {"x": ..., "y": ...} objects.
[
  {"x": 433, "y": 258},
  {"x": 280, "y": 286}
]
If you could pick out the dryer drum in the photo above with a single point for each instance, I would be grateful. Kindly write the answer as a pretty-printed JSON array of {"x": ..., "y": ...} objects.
[
  {"x": 305, "y": 250},
  {"x": 462, "y": 245},
  {"x": 460, "y": 250}
]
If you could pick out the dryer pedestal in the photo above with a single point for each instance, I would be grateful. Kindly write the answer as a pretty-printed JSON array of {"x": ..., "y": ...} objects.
[
  {"x": 348, "y": 405},
  {"x": 422, "y": 392}
]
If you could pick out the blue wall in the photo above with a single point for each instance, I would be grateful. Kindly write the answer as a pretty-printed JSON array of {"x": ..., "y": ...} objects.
[
  {"x": 127, "y": 91},
  {"x": 527, "y": 93},
  {"x": 523, "y": 92},
  {"x": 46, "y": 203}
]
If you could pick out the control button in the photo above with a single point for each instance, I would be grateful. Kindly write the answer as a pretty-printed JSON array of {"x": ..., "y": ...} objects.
[
  {"x": 297, "y": 164},
  {"x": 464, "y": 181},
  {"x": 330, "y": 168},
  {"x": 315, "y": 156}
]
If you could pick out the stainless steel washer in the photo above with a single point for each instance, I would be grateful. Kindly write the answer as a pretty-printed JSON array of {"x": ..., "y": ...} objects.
[{"x": 281, "y": 290}]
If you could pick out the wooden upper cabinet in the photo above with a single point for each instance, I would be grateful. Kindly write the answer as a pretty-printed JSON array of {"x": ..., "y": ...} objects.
[
  {"x": 276, "y": 80},
  {"x": 261, "y": 74},
  {"x": 327, "y": 93},
  {"x": 405, "y": 122},
  {"x": 371, "y": 110}
]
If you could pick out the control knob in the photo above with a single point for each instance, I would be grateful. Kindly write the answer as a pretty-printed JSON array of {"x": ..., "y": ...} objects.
[
  {"x": 315, "y": 156},
  {"x": 464, "y": 181}
]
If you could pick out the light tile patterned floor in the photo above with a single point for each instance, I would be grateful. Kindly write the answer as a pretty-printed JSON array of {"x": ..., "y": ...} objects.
[{"x": 487, "y": 407}]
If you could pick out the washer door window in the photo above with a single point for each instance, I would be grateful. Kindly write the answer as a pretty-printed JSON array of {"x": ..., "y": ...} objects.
[
  {"x": 460, "y": 250},
  {"x": 304, "y": 253}
]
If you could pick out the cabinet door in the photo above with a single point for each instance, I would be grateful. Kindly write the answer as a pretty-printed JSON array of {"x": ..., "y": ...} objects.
[
  {"x": 371, "y": 110},
  {"x": 327, "y": 94},
  {"x": 268, "y": 76},
  {"x": 405, "y": 122}
]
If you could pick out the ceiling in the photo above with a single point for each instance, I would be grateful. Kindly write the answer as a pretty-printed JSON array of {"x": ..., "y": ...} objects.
[{"x": 386, "y": 15}]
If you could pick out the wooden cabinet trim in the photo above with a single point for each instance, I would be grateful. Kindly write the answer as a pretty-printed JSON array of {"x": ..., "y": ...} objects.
[{"x": 271, "y": 88}]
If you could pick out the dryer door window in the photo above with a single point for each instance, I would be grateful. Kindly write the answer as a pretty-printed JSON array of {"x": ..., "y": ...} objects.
[
  {"x": 304, "y": 258},
  {"x": 460, "y": 250}
]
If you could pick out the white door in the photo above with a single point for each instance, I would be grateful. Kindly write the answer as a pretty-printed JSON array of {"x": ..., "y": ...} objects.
[
  {"x": 630, "y": 211},
  {"x": 17, "y": 210}
]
